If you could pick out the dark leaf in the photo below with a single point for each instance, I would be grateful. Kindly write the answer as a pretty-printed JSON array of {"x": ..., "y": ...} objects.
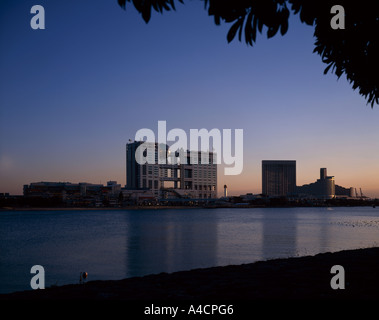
[
  {"x": 146, "y": 13},
  {"x": 328, "y": 67},
  {"x": 249, "y": 29},
  {"x": 284, "y": 27},
  {"x": 240, "y": 30},
  {"x": 254, "y": 31},
  {"x": 172, "y": 4},
  {"x": 233, "y": 30},
  {"x": 260, "y": 25},
  {"x": 122, "y": 3}
]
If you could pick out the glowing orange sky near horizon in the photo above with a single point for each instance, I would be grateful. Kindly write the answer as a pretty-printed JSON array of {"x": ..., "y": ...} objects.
[{"x": 248, "y": 182}]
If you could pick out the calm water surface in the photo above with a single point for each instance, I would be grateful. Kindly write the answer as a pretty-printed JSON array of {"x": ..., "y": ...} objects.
[{"x": 119, "y": 244}]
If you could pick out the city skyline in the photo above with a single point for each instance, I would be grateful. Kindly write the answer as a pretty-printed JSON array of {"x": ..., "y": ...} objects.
[
  {"x": 73, "y": 94},
  {"x": 278, "y": 179}
]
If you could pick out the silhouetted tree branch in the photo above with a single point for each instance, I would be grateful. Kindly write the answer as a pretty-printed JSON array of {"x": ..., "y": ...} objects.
[{"x": 353, "y": 51}]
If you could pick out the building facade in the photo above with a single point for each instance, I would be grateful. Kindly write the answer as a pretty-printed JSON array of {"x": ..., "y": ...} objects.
[
  {"x": 75, "y": 194},
  {"x": 185, "y": 175},
  {"x": 323, "y": 188},
  {"x": 278, "y": 177}
]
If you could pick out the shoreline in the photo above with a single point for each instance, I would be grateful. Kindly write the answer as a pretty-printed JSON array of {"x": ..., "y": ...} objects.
[
  {"x": 168, "y": 207},
  {"x": 306, "y": 278},
  {"x": 100, "y": 208},
  {"x": 96, "y": 208}
]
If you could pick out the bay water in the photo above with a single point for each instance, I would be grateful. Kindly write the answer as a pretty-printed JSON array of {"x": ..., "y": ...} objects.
[{"x": 118, "y": 244}]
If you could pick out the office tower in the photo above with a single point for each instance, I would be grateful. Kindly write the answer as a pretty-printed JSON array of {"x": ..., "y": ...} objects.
[
  {"x": 278, "y": 177},
  {"x": 173, "y": 179}
]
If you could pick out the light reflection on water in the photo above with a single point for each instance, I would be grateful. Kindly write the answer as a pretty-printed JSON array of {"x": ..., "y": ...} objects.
[{"x": 118, "y": 244}]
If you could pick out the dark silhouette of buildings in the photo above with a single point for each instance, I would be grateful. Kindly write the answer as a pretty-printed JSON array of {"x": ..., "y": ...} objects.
[
  {"x": 279, "y": 180},
  {"x": 323, "y": 188},
  {"x": 278, "y": 177},
  {"x": 74, "y": 194}
]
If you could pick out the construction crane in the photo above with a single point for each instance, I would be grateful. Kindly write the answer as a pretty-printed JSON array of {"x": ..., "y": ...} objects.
[{"x": 362, "y": 195}]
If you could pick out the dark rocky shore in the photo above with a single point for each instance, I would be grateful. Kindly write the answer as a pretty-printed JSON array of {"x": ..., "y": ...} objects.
[{"x": 293, "y": 278}]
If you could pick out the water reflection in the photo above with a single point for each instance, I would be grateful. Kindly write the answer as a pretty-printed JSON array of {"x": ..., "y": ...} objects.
[
  {"x": 315, "y": 233},
  {"x": 167, "y": 241},
  {"x": 279, "y": 238},
  {"x": 119, "y": 244}
]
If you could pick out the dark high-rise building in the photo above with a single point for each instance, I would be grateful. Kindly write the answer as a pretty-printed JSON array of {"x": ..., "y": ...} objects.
[{"x": 278, "y": 177}]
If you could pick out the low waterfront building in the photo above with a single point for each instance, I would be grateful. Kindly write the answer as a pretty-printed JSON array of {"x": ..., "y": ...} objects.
[
  {"x": 323, "y": 188},
  {"x": 75, "y": 194}
]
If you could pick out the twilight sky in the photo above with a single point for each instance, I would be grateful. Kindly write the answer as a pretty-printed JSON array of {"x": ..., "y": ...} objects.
[{"x": 73, "y": 94}]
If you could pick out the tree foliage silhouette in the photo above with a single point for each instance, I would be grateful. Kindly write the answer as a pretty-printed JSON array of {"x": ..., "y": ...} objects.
[{"x": 353, "y": 51}]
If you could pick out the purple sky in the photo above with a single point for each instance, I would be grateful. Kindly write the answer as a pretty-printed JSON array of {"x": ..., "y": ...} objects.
[{"x": 73, "y": 94}]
